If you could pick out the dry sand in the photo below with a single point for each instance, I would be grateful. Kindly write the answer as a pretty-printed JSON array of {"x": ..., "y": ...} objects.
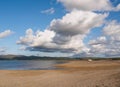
[{"x": 75, "y": 74}]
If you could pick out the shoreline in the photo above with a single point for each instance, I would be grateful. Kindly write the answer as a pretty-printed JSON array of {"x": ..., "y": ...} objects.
[
  {"x": 84, "y": 64},
  {"x": 75, "y": 74}
]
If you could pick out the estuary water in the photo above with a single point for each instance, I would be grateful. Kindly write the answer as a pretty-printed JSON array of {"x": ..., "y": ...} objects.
[{"x": 29, "y": 64}]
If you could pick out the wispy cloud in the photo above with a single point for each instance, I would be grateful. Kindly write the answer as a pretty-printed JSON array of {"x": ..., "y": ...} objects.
[
  {"x": 2, "y": 49},
  {"x": 48, "y": 11},
  {"x": 5, "y": 33}
]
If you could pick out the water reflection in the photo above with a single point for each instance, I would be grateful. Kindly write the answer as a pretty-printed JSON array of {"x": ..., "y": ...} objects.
[{"x": 28, "y": 64}]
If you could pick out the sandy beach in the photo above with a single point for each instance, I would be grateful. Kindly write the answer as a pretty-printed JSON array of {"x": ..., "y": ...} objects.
[{"x": 102, "y": 73}]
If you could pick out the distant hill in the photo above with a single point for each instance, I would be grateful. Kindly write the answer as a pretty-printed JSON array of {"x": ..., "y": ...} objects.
[
  {"x": 10, "y": 56},
  {"x": 23, "y": 57}
]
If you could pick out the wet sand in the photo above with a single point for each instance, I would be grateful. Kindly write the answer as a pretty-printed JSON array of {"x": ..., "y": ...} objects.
[{"x": 102, "y": 73}]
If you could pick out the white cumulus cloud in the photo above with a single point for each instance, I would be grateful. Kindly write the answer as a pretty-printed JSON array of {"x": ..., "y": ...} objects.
[
  {"x": 109, "y": 44},
  {"x": 89, "y": 5},
  {"x": 5, "y": 33},
  {"x": 65, "y": 34},
  {"x": 77, "y": 22}
]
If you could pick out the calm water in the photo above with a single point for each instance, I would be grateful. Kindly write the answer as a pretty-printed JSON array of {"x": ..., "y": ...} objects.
[{"x": 28, "y": 64}]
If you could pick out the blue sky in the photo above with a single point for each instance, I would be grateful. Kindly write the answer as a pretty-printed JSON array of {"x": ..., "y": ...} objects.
[{"x": 21, "y": 15}]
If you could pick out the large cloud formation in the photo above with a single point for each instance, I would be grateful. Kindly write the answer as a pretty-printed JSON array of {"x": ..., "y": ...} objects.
[
  {"x": 109, "y": 44},
  {"x": 77, "y": 22},
  {"x": 64, "y": 35},
  {"x": 67, "y": 34},
  {"x": 89, "y": 5}
]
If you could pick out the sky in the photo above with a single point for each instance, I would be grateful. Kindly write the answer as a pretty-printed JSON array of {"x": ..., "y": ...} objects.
[{"x": 74, "y": 28}]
